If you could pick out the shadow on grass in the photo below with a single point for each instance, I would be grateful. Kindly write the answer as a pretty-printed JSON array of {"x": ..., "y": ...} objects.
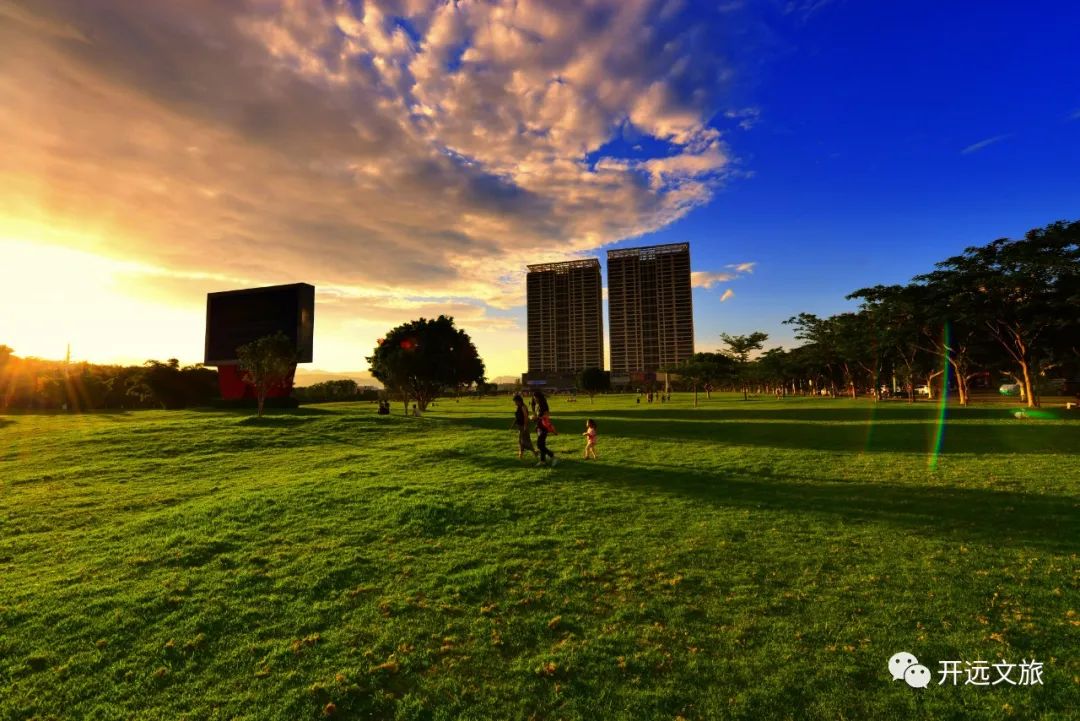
[
  {"x": 268, "y": 412},
  {"x": 840, "y": 432},
  {"x": 274, "y": 421},
  {"x": 6, "y": 422},
  {"x": 999, "y": 517},
  {"x": 16, "y": 412},
  {"x": 281, "y": 431},
  {"x": 843, "y": 413}
]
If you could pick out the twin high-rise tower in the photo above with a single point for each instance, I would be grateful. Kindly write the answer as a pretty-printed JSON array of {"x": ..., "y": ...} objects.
[
  {"x": 650, "y": 315},
  {"x": 566, "y": 333},
  {"x": 650, "y": 310}
]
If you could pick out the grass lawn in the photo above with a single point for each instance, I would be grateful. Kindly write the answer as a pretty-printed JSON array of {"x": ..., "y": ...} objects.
[{"x": 743, "y": 560}]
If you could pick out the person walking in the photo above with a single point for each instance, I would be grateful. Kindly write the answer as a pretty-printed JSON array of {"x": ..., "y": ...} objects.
[
  {"x": 540, "y": 403},
  {"x": 544, "y": 426},
  {"x": 521, "y": 423}
]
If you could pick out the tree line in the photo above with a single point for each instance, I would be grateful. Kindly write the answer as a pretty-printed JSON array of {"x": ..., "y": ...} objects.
[
  {"x": 1009, "y": 309},
  {"x": 37, "y": 384},
  {"x": 335, "y": 391},
  {"x": 416, "y": 362}
]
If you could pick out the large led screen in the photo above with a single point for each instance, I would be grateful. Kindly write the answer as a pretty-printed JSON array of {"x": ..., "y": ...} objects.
[{"x": 236, "y": 317}]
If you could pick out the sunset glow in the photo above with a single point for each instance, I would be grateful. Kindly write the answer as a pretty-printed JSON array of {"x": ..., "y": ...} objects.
[{"x": 54, "y": 296}]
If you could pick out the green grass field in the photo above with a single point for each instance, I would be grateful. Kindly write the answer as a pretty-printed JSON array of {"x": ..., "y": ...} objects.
[{"x": 743, "y": 560}]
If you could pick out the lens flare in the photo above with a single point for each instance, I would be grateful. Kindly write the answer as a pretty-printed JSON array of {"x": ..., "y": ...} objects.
[
  {"x": 1035, "y": 413},
  {"x": 943, "y": 403}
]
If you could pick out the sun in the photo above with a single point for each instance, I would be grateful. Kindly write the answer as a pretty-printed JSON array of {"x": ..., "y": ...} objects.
[{"x": 52, "y": 295}]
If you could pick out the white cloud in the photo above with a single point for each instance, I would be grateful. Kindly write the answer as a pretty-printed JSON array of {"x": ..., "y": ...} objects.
[
  {"x": 975, "y": 147},
  {"x": 729, "y": 293},
  {"x": 747, "y": 117},
  {"x": 806, "y": 8},
  {"x": 743, "y": 267}
]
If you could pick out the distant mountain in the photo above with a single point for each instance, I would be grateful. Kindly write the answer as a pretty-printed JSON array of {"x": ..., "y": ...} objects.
[{"x": 306, "y": 377}]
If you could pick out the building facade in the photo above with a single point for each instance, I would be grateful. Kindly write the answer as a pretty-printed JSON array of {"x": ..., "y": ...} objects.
[
  {"x": 650, "y": 309},
  {"x": 565, "y": 320}
]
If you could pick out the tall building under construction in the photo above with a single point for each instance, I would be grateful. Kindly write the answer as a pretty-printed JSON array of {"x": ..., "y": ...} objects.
[
  {"x": 565, "y": 320},
  {"x": 650, "y": 308}
]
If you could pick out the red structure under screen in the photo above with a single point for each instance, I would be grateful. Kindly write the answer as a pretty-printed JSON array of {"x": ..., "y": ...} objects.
[{"x": 234, "y": 387}]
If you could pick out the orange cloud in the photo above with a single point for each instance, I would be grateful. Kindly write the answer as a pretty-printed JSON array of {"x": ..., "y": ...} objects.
[
  {"x": 707, "y": 279},
  {"x": 323, "y": 142}
]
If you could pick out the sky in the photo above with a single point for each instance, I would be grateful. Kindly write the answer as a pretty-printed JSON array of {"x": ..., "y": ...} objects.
[{"x": 410, "y": 158}]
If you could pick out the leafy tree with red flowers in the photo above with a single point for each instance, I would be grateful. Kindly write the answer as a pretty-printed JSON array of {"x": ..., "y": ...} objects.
[{"x": 423, "y": 358}]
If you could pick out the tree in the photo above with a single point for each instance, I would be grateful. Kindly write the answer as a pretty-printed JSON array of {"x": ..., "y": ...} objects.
[
  {"x": 267, "y": 363},
  {"x": 804, "y": 368},
  {"x": 899, "y": 314},
  {"x": 739, "y": 348},
  {"x": 336, "y": 390},
  {"x": 772, "y": 368},
  {"x": 167, "y": 385},
  {"x": 956, "y": 343},
  {"x": 858, "y": 349},
  {"x": 593, "y": 381},
  {"x": 6, "y": 381},
  {"x": 840, "y": 347},
  {"x": 484, "y": 388},
  {"x": 866, "y": 334},
  {"x": 702, "y": 369},
  {"x": 1022, "y": 291},
  {"x": 160, "y": 383},
  {"x": 422, "y": 358}
]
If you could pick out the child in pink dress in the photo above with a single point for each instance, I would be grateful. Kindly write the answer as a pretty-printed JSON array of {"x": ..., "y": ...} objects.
[{"x": 590, "y": 439}]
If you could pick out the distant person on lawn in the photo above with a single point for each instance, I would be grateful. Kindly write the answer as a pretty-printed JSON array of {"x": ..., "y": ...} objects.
[
  {"x": 544, "y": 426},
  {"x": 590, "y": 439},
  {"x": 522, "y": 423}
]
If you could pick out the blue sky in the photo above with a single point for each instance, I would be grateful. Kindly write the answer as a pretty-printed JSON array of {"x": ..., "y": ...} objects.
[
  {"x": 865, "y": 162},
  {"x": 411, "y": 157}
]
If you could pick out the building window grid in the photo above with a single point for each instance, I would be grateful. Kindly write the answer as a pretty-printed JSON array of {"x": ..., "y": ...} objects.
[
  {"x": 655, "y": 283},
  {"x": 561, "y": 300}
]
